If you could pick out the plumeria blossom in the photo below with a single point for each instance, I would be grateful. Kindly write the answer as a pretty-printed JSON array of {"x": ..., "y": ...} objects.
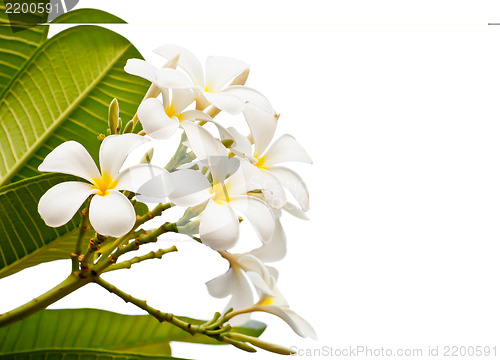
[
  {"x": 216, "y": 88},
  {"x": 249, "y": 269},
  {"x": 244, "y": 272},
  {"x": 160, "y": 120},
  {"x": 219, "y": 224},
  {"x": 224, "y": 197},
  {"x": 284, "y": 149},
  {"x": 111, "y": 213},
  {"x": 211, "y": 87},
  {"x": 277, "y": 305}
]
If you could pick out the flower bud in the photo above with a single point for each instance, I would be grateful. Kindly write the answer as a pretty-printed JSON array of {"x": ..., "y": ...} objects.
[
  {"x": 113, "y": 116},
  {"x": 129, "y": 127}
]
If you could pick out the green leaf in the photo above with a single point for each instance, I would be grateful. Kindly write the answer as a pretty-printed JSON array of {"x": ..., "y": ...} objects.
[
  {"x": 101, "y": 330},
  {"x": 25, "y": 240},
  {"x": 88, "y": 16},
  {"x": 16, "y": 48},
  {"x": 80, "y": 355},
  {"x": 63, "y": 93}
]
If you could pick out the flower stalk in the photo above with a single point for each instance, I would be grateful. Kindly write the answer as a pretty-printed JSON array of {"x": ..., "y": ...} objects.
[{"x": 84, "y": 227}]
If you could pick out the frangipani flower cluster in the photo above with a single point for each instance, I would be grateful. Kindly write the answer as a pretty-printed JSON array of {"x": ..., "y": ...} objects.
[{"x": 219, "y": 174}]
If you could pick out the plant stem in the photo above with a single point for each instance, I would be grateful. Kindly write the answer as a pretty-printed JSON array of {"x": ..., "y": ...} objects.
[
  {"x": 180, "y": 153},
  {"x": 152, "y": 255},
  {"x": 157, "y": 211},
  {"x": 105, "y": 262},
  {"x": 260, "y": 343},
  {"x": 84, "y": 227},
  {"x": 70, "y": 284},
  {"x": 159, "y": 315}
]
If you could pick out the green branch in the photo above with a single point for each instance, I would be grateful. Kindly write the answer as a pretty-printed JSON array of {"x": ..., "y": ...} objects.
[
  {"x": 84, "y": 227},
  {"x": 152, "y": 236},
  {"x": 152, "y": 255},
  {"x": 159, "y": 315},
  {"x": 70, "y": 284},
  {"x": 157, "y": 211}
]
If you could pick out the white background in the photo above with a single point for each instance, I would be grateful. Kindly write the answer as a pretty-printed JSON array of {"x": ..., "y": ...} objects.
[{"x": 398, "y": 105}]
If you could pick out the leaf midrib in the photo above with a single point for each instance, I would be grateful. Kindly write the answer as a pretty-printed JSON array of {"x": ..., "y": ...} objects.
[{"x": 39, "y": 142}]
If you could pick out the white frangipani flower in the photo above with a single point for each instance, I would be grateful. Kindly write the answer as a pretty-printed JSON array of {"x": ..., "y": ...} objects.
[
  {"x": 110, "y": 212},
  {"x": 219, "y": 224},
  {"x": 160, "y": 120},
  {"x": 284, "y": 149},
  {"x": 260, "y": 116},
  {"x": 220, "y": 72},
  {"x": 277, "y": 305},
  {"x": 245, "y": 270},
  {"x": 249, "y": 269}
]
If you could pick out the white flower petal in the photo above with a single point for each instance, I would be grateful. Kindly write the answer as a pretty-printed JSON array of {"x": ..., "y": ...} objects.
[
  {"x": 294, "y": 210},
  {"x": 262, "y": 125},
  {"x": 190, "y": 188},
  {"x": 246, "y": 178},
  {"x": 251, "y": 96},
  {"x": 115, "y": 149},
  {"x": 227, "y": 102},
  {"x": 223, "y": 285},
  {"x": 192, "y": 115},
  {"x": 242, "y": 146},
  {"x": 219, "y": 226},
  {"x": 261, "y": 118},
  {"x": 71, "y": 158},
  {"x": 251, "y": 263},
  {"x": 286, "y": 148},
  {"x": 203, "y": 144},
  {"x": 223, "y": 133},
  {"x": 155, "y": 121},
  {"x": 187, "y": 61},
  {"x": 219, "y": 70},
  {"x": 134, "y": 177},
  {"x": 258, "y": 273},
  {"x": 296, "y": 322},
  {"x": 156, "y": 190},
  {"x": 173, "y": 79},
  {"x": 181, "y": 99},
  {"x": 259, "y": 283},
  {"x": 258, "y": 213},
  {"x": 274, "y": 277},
  {"x": 294, "y": 183},
  {"x": 242, "y": 298},
  {"x": 275, "y": 249},
  {"x": 112, "y": 215},
  {"x": 142, "y": 69},
  {"x": 60, "y": 203},
  {"x": 272, "y": 190}
]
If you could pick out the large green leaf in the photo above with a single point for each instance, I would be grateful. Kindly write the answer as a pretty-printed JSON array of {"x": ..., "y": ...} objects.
[
  {"x": 16, "y": 48},
  {"x": 25, "y": 240},
  {"x": 80, "y": 355},
  {"x": 63, "y": 93},
  {"x": 101, "y": 330}
]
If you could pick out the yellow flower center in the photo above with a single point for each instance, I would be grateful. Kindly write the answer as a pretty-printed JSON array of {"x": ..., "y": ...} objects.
[
  {"x": 104, "y": 184},
  {"x": 170, "y": 111},
  {"x": 268, "y": 301},
  {"x": 261, "y": 163},
  {"x": 219, "y": 193}
]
